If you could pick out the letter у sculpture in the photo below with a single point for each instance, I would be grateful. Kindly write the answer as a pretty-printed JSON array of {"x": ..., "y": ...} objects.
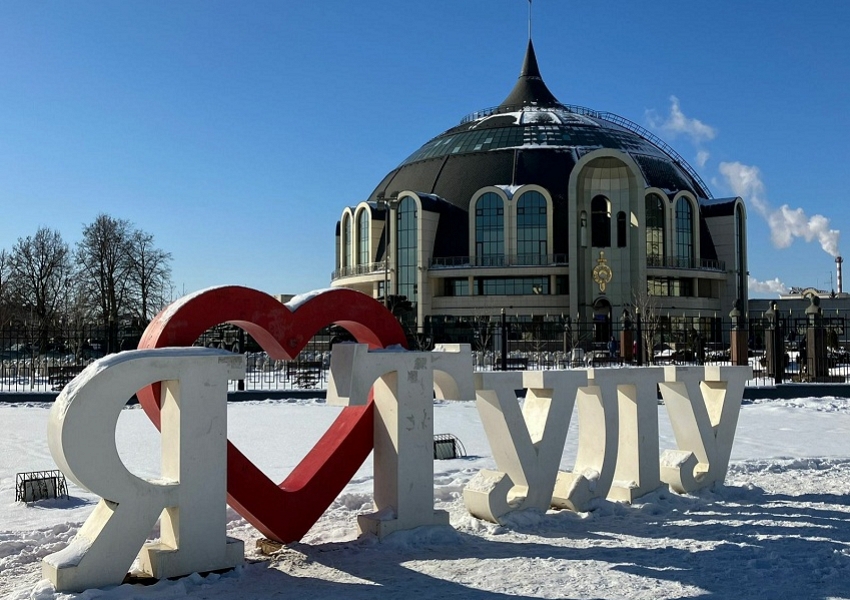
[
  {"x": 703, "y": 404},
  {"x": 527, "y": 444}
]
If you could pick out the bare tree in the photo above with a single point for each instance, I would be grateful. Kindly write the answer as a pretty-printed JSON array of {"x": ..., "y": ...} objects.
[
  {"x": 650, "y": 317},
  {"x": 77, "y": 315},
  {"x": 482, "y": 331},
  {"x": 41, "y": 276},
  {"x": 103, "y": 257},
  {"x": 150, "y": 274},
  {"x": 5, "y": 288}
]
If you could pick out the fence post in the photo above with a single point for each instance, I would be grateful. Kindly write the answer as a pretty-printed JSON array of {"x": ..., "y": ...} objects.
[
  {"x": 774, "y": 346},
  {"x": 626, "y": 338},
  {"x": 639, "y": 335},
  {"x": 504, "y": 330},
  {"x": 817, "y": 362},
  {"x": 739, "y": 351}
]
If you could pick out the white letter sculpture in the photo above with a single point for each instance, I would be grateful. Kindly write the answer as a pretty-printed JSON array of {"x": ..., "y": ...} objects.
[
  {"x": 404, "y": 384},
  {"x": 632, "y": 396},
  {"x": 191, "y": 494},
  {"x": 618, "y": 455},
  {"x": 527, "y": 445},
  {"x": 703, "y": 404}
]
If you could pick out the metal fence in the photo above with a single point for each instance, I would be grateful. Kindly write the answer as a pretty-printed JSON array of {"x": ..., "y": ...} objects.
[
  {"x": 38, "y": 359},
  {"x": 557, "y": 342},
  {"x": 785, "y": 349}
]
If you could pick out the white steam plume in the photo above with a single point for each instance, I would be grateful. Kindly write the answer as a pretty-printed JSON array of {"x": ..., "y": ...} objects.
[
  {"x": 771, "y": 286},
  {"x": 785, "y": 223}
]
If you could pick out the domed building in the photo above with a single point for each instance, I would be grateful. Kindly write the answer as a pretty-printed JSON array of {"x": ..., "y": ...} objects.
[{"x": 548, "y": 211}]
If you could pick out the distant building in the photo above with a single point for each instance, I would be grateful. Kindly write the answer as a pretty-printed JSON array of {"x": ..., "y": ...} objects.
[
  {"x": 833, "y": 303},
  {"x": 546, "y": 210}
]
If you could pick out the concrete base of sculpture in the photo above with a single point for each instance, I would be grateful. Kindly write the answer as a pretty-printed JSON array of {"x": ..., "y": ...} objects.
[
  {"x": 486, "y": 495},
  {"x": 162, "y": 561},
  {"x": 573, "y": 491},
  {"x": 383, "y": 524}
]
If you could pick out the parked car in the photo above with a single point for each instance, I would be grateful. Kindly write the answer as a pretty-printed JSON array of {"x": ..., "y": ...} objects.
[{"x": 665, "y": 353}]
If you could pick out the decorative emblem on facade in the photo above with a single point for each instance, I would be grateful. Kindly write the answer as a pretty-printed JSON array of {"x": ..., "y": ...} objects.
[{"x": 602, "y": 273}]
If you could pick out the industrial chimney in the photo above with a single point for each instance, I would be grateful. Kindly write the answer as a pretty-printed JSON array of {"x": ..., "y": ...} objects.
[{"x": 838, "y": 261}]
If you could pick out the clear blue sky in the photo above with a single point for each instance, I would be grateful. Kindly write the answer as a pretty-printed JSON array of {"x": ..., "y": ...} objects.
[{"x": 236, "y": 132}]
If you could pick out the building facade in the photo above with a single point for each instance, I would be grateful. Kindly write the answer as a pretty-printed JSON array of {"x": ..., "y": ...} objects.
[{"x": 546, "y": 211}]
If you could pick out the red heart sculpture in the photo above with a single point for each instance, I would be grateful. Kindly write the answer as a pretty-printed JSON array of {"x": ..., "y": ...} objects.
[{"x": 282, "y": 512}]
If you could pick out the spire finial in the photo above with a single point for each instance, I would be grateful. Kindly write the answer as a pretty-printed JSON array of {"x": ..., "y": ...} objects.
[{"x": 529, "y": 20}]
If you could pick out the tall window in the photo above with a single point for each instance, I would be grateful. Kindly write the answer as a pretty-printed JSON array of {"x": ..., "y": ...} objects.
[
  {"x": 346, "y": 241},
  {"x": 406, "y": 252},
  {"x": 740, "y": 251},
  {"x": 622, "y": 229},
  {"x": 654, "y": 230},
  {"x": 531, "y": 236},
  {"x": 600, "y": 222},
  {"x": 363, "y": 257},
  {"x": 490, "y": 230},
  {"x": 684, "y": 233}
]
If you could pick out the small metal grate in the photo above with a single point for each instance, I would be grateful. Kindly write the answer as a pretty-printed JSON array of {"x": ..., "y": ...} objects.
[
  {"x": 447, "y": 446},
  {"x": 40, "y": 485}
]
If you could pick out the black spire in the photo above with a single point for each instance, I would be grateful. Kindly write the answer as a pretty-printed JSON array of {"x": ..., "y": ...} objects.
[{"x": 530, "y": 88}]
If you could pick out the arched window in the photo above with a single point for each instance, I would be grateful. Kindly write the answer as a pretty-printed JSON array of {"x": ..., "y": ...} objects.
[
  {"x": 600, "y": 222},
  {"x": 684, "y": 233},
  {"x": 406, "y": 250},
  {"x": 740, "y": 251},
  {"x": 346, "y": 241},
  {"x": 531, "y": 236},
  {"x": 621, "y": 229},
  {"x": 655, "y": 246},
  {"x": 363, "y": 250},
  {"x": 490, "y": 230}
]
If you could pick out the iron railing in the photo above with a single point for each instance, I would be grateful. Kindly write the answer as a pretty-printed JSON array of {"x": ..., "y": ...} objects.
[
  {"x": 675, "y": 262},
  {"x": 367, "y": 269},
  {"x": 29, "y": 364},
  {"x": 501, "y": 260},
  {"x": 44, "y": 359}
]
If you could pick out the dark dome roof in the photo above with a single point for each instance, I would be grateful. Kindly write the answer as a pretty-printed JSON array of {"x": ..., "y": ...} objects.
[{"x": 532, "y": 138}]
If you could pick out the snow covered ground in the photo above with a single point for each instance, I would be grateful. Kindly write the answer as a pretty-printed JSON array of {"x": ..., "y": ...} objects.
[{"x": 779, "y": 528}]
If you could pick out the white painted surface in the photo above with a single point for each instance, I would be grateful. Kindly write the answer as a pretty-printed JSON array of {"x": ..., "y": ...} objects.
[
  {"x": 190, "y": 495},
  {"x": 403, "y": 384}
]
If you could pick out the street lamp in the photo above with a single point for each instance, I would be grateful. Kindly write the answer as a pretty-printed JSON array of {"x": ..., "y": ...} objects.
[{"x": 388, "y": 204}]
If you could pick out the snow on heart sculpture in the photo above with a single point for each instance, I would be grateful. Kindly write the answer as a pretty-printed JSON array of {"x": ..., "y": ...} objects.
[{"x": 388, "y": 395}]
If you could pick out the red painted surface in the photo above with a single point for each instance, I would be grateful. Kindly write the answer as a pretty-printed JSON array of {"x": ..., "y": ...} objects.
[{"x": 282, "y": 512}]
